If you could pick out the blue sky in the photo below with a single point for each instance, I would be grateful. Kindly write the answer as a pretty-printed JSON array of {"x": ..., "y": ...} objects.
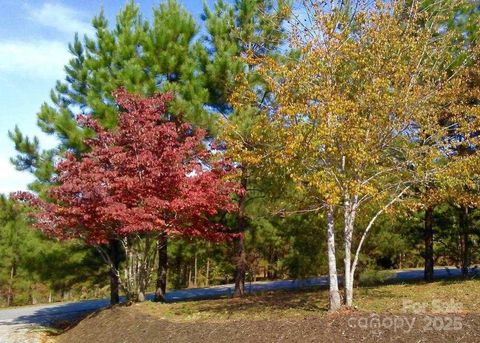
[{"x": 33, "y": 50}]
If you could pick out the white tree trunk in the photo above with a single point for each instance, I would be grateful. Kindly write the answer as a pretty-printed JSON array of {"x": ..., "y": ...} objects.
[
  {"x": 207, "y": 281},
  {"x": 350, "y": 208},
  {"x": 195, "y": 278},
  {"x": 140, "y": 254},
  {"x": 332, "y": 263},
  {"x": 369, "y": 226}
]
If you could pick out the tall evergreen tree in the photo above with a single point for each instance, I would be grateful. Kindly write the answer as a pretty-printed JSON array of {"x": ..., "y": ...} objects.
[
  {"x": 144, "y": 58},
  {"x": 13, "y": 245},
  {"x": 30, "y": 262},
  {"x": 139, "y": 56},
  {"x": 460, "y": 18},
  {"x": 235, "y": 31}
]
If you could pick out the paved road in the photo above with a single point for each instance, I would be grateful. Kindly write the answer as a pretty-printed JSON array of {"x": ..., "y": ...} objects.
[{"x": 16, "y": 322}]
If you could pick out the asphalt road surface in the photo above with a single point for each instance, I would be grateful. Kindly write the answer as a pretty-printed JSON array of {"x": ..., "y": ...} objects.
[{"x": 16, "y": 324}]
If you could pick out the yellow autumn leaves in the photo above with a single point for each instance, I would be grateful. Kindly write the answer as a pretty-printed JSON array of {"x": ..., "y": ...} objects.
[{"x": 360, "y": 106}]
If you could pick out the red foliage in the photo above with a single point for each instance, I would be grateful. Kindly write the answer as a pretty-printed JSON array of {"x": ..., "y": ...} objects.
[{"x": 150, "y": 174}]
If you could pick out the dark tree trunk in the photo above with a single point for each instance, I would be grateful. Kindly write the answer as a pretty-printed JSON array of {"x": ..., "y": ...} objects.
[
  {"x": 185, "y": 268},
  {"x": 190, "y": 283},
  {"x": 240, "y": 266},
  {"x": 179, "y": 280},
  {"x": 464, "y": 239},
  {"x": 428, "y": 237},
  {"x": 195, "y": 275},
  {"x": 161, "y": 285},
  {"x": 207, "y": 276},
  {"x": 114, "y": 246},
  {"x": 31, "y": 298},
  {"x": 10, "y": 295},
  {"x": 240, "y": 259}
]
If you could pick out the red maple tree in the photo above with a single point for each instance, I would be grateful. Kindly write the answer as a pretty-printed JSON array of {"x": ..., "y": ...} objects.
[{"x": 151, "y": 175}]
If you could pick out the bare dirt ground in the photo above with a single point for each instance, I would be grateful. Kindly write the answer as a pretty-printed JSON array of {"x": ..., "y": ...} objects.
[
  {"x": 132, "y": 325},
  {"x": 445, "y": 311},
  {"x": 29, "y": 324}
]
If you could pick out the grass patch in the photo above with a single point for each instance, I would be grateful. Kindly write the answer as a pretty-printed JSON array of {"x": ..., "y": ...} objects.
[
  {"x": 314, "y": 302},
  {"x": 376, "y": 277},
  {"x": 391, "y": 298},
  {"x": 256, "y": 306}
]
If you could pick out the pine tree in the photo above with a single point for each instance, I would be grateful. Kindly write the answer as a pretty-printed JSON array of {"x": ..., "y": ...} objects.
[
  {"x": 29, "y": 259},
  {"x": 246, "y": 27},
  {"x": 144, "y": 58},
  {"x": 461, "y": 19},
  {"x": 139, "y": 56},
  {"x": 13, "y": 243}
]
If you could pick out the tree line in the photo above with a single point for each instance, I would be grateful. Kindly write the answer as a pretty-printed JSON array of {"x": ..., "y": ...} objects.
[{"x": 264, "y": 130}]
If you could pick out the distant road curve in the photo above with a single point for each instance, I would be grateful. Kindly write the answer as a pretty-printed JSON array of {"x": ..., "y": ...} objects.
[{"x": 15, "y": 322}]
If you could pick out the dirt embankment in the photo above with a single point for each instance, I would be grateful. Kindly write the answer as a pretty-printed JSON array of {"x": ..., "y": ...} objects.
[{"x": 134, "y": 325}]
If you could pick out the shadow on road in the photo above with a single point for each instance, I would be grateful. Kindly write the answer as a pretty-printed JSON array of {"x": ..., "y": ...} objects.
[{"x": 48, "y": 315}]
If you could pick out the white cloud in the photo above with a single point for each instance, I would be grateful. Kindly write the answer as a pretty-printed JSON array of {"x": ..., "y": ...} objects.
[
  {"x": 11, "y": 180},
  {"x": 33, "y": 59},
  {"x": 61, "y": 18}
]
